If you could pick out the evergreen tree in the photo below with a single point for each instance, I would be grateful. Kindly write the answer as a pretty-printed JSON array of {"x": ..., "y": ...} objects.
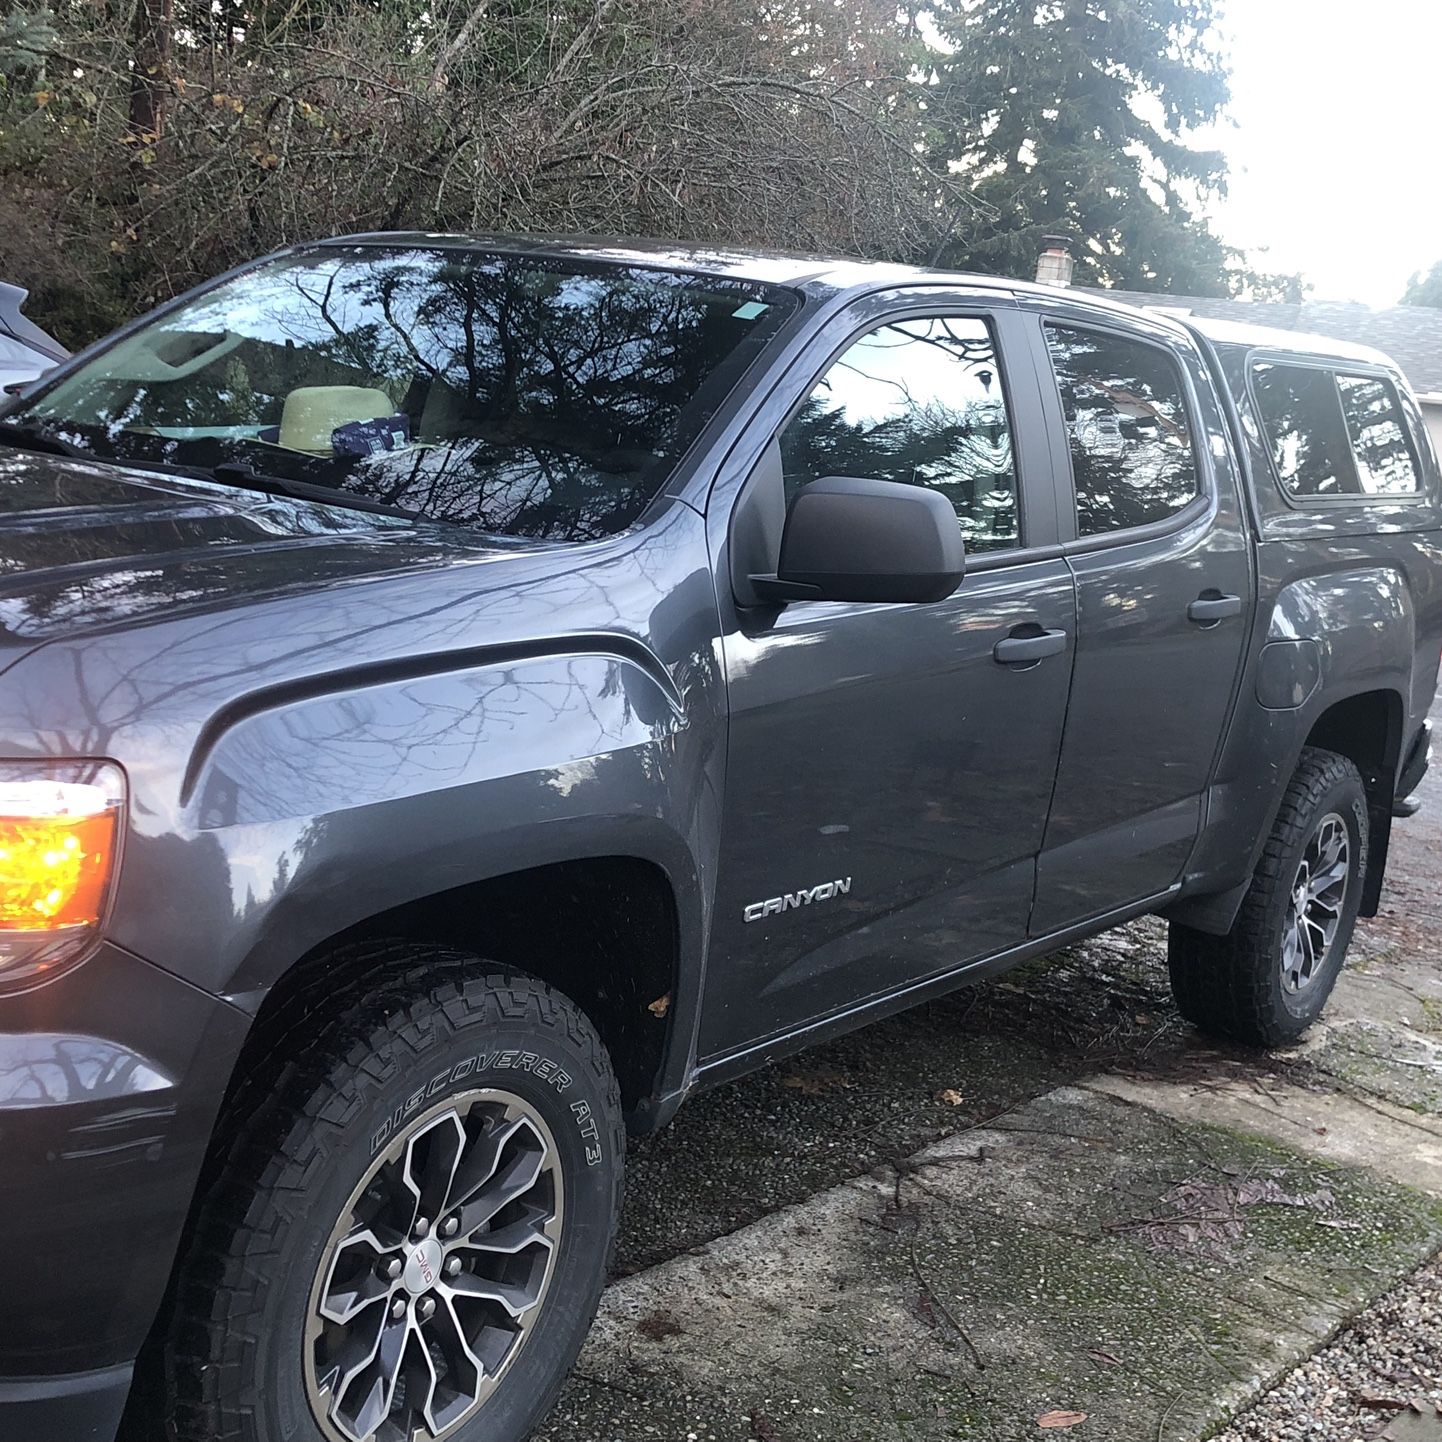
[
  {"x": 1071, "y": 117},
  {"x": 1425, "y": 289}
]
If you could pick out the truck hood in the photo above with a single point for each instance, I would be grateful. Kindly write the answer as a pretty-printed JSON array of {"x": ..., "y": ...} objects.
[{"x": 89, "y": 545}]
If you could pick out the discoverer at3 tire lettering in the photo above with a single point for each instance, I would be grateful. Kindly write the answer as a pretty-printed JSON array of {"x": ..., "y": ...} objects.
[
  {"x": 387, "y": 1259},
  {"x": 1266, "y": 981}
]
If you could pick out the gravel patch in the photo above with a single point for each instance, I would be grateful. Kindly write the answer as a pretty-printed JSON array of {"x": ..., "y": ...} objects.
[{"x": 1362, "y": 1384}]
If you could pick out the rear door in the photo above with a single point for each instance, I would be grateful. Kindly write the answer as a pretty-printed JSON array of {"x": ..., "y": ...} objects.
[
  {"x": 1163, "y": 570},
  {"x": 888, "y": 770}
]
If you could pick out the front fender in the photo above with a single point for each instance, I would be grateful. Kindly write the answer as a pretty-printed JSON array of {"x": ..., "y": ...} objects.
[
  {"x": 301, "y": 819},
  {"x": 304, "y": 758}
]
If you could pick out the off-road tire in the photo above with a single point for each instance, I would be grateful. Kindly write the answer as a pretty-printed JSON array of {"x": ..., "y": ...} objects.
[
  {"x": 234, "y": 1355},
  {"x": 1231, "y": 986}
]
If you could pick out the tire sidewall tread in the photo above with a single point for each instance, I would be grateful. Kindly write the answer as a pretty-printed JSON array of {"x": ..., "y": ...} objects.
[
  {"x": 256, "y": 1240},
  {"x": 1231, "y": 986}
]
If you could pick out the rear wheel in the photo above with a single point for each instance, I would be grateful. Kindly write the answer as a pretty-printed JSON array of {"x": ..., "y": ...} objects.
[
  {"x": 1267, "y": 980},
  {"x": 409, "y": 1238}
]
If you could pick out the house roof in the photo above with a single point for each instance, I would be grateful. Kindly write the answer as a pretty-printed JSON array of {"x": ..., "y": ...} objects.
[{"x": 1410, "y": 334}]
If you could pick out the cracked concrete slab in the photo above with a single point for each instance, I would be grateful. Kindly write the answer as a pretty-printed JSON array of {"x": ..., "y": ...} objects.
[
  {"x": 1082, "y": 1252},
  {"x": 1367, "y": 1132}
]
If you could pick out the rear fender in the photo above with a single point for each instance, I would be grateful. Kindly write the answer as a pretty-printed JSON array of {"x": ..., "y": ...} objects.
[{"x": 1330, "y": 639}]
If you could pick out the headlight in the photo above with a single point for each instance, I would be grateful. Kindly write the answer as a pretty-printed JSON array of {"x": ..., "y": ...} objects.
[{"x": 59, "y": 836}]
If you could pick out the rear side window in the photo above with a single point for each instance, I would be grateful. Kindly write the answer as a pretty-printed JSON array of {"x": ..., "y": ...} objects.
[
  {"x": 1127, "y": 426},
  {"x": 1333, "y": 435},
  {"x": 1302, "y": 416},
  {"x": 1379, "y": 442}
]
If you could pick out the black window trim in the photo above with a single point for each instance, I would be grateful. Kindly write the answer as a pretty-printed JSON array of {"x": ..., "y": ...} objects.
[
  {"x": 1262, "y": 355},
  {"x": 938, "y": 306},
  {"x": 1203, "y": 505}
]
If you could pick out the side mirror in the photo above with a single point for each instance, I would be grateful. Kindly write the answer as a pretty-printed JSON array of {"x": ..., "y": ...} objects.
[{"x": 848, "y": 539}]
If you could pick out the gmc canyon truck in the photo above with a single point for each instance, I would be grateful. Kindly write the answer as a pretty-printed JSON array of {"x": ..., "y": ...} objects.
[{"x": 460, "y": 695}]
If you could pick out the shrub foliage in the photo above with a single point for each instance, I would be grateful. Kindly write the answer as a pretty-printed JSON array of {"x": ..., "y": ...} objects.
[{"x": 148, "y": 144}]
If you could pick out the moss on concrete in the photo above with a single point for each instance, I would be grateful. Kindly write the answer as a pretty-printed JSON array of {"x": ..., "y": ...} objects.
[{"x": 1059, "y": 1246}]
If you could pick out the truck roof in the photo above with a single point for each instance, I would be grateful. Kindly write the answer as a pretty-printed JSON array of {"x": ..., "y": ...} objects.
[
  {"x": 815, "y": 274},
  {"x": 771, "y": 267},
  {"x": 833, "y": 275},
  {"x": 1263, "y": 337}
]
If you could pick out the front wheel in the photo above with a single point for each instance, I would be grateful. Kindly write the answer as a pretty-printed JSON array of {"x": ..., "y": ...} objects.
[
  {"x": 409, "y": 1238},
  {"x": 1266, "y": 981}
]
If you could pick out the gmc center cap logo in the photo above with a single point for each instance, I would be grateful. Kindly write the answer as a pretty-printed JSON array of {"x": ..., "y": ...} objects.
[{"x": 423, "y": 1267}]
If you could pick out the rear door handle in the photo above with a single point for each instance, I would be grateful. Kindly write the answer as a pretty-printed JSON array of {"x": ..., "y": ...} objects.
[
  {"x": 1209, "y": 608},
  {"x": 1030, "y": 647}
]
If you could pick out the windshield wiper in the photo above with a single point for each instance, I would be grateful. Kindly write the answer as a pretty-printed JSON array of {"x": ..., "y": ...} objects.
[
  {"x": 32, "y": 436},
  {"x": 241, "y": 473}
]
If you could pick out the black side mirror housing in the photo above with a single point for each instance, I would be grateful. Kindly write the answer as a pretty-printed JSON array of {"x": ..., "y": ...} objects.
[{"x": 849, "y": 539}]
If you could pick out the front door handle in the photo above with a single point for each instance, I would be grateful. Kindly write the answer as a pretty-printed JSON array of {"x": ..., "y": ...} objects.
[
  {"x": 1028, "y": 647},
  {"x": 1211, "y": 607}
]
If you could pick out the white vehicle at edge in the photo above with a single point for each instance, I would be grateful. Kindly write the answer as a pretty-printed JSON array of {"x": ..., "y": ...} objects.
[{"x": 26, "y": 351}]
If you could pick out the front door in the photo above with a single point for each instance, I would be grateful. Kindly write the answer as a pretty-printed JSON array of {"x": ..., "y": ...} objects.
[
  {"x": 889, "y": 770},
  {"x": 1163, "y": 573}
]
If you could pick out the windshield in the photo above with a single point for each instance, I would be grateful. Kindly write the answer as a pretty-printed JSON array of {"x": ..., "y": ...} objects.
[{"x": 524, "y": 396}]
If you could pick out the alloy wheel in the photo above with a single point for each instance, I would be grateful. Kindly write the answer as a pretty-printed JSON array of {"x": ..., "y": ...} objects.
[
  {"x": 1314, "y": 909},
  {"x": 435, "y": 1272}
]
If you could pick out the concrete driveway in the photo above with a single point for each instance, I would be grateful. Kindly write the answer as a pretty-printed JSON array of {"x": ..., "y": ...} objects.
[{"x": 1040, "y": 1206}]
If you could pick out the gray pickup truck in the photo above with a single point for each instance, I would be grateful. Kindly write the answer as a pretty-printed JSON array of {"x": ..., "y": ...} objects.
[{"x": 460, "y": 695}]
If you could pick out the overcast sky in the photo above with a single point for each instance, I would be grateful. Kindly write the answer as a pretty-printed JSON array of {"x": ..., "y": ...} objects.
[{"x": 1336, "y": 145}]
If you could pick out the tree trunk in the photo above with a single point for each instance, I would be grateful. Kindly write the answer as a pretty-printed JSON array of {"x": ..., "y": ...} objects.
[{"x": 154, "y": 20}]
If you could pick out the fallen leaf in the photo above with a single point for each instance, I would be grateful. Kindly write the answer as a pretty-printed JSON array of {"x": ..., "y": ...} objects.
[
  {"x": 1100, "y": 1356},
  {"x": 950, "y": 1096},
  {"x": 1061, "y": 1419},
  {"x": 660, "y": 1006},
  {"x": 1377, "y": 1402},
  {"x": 1266, "y": 1190}
]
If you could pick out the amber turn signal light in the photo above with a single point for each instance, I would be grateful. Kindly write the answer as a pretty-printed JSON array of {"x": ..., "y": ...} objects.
[{"x": 59, "y": 837}]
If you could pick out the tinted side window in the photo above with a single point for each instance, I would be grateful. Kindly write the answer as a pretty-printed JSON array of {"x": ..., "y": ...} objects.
[
  {"x": 1379, "y": 442},
  {"x": 1303, "y": 421},
  {"x": 918, "y": 401},
  {"x": 1126, "y": 420}
]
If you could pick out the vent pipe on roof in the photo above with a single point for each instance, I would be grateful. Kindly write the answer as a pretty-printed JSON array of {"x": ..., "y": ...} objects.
[{"x": 1054, "y": 265}]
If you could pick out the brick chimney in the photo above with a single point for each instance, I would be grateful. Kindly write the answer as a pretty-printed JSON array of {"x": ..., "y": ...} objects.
[{"x": 1054, "y": 265}]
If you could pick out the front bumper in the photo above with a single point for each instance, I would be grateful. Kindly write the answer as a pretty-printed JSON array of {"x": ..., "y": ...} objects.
[
  {"x": 82, "y": 1407},
  {"x": 110, "y": 1080}
]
